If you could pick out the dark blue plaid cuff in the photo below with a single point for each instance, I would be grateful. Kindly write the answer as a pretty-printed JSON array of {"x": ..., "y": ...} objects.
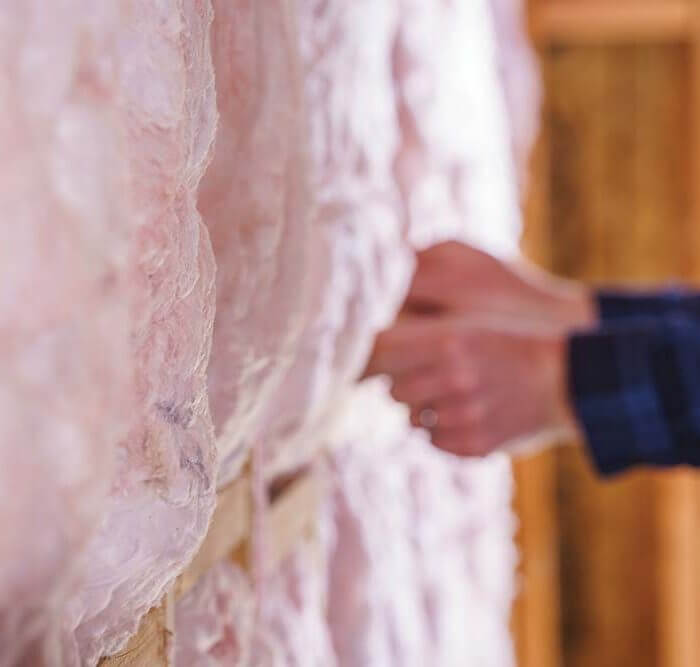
[
  {"x": 615, "y": 400},
  {"x": 625, "y": 305},
  {"x": 636, "y": 391}
]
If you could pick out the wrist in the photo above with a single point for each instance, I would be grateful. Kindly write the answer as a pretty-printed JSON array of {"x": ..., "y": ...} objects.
[
  {"x": 574, "y": 307},
  {"x": 556, "y": 368}
]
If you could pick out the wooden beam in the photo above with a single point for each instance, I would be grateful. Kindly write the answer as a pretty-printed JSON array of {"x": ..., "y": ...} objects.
[
  {"x": 692, "y": 272},
  {"x": 230, "y": 526},
  {"x": 150, "y": 646},
  {"x": 679, "y": 507},
  {"x": 537, "y": 614},
  {"x": 613, "y": 22},
  {"x": 677, "y": 521},
  {"x": 537, "y": 610},
  {"x": 291, "y": 517}
]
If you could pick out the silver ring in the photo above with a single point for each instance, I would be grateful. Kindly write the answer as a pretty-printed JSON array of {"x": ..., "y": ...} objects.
[{"x": 428, "y": 418}]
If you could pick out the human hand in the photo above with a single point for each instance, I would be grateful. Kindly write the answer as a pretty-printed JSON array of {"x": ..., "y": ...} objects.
[
  {"x": 455, "y": 278},
  {"x": 476, "y": 388}
]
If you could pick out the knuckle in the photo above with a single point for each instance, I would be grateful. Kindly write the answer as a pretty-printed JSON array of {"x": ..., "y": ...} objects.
[
  {"x": 472, "y": 379},
  {"x": 475, "y": 413},
  {"x": 398, "y": 391},
  {"x": 465, "y": 378},
  {"x": 451, "y": 380},
  {"x": 480, "y": 445},
  {"x": 451, "y": 346},
  {"x": 449, "y": 445}
]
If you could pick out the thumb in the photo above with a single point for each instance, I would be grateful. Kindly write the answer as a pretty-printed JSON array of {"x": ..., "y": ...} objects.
[{"x": 429, "y": 292}]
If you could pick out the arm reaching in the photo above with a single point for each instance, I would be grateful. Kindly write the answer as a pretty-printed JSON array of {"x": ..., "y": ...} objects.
[
  {"x": 504, "y": 353},
  {"x": 456, "y": 278},
  {"x": 477, "y": 388}
]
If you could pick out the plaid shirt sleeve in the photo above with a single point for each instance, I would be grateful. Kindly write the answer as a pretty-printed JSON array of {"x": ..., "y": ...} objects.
[
  {"x": 624, "y": 306},
  {"x": 635, "y": 382}
]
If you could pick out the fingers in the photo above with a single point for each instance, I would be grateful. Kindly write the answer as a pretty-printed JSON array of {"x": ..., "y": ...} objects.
[
  {"x": 460, "y": 425},
  {"x": 461, "y": 442},
  {"x": 457, "y": 277},
  {"x": 434, "y": 279},
  {"x": 413, "y": 344},
  {"x": 451, "y": 252},
  {"x": 430, "y": 291},
  {"x": 428, "y": 387},
  {"x": 462, "y": 411}
]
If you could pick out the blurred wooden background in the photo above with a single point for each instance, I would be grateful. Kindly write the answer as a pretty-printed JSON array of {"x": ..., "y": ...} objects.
[{"x": 609, "y": 576}]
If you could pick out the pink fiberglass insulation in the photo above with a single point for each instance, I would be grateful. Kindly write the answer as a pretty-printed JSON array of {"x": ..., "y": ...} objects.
[
  {"x": 421, "y": 567},
  {"x": 412, "y": 565},
  {"x": 65, "y": 386},
  {"x": 215, "y": 621},
  {"x": 420, "y": 562},
  {"x": 422, "y": 572},
  {"x": 254, "y": 200},
  {"x": 163, "y": 490},
  {"x": 359, "y": 261},
  {"x": 456, "y": 167},
  {"x": 348, "y": 132},
  {"x": 222, "y": 622},
  {"x": 292, "y": 630},
  {"x": 448, "y": 156},
  {"x": 520, "y": 78}
]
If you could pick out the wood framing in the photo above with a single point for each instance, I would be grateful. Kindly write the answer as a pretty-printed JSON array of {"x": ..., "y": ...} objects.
[
  {"x": 151, "y": 645},
  {"x": 291, "y": 517},
  {"x": 603, "y": 21},
  {"x": 622, "y": 181}
]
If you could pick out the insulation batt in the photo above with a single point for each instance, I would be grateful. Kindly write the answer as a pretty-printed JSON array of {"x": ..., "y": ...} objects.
[
  {"x": 66, "y": 381},
  {"x": 412, "y": 522},
  {"x": 162, "y": 492},
  {"x": 455, "y": 168},
  {"x": 520, "y": 78},
  {"x": 360, "y": 261},
  {"x": 421, "y": 568},
  {"x": 223, "y": 622},
  {"x": 216, "y": 620},
  {"x": 419, "y": 558},
  {"x": 348, "y": 134},
  {"x": 255, "y": 201},
  {"x": 292, "y": 630}
]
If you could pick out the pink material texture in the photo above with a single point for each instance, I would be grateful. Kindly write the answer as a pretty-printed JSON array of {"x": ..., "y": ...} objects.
[
  {"x": 215, "y": 621},
  {"x": 216, "y": 203},
  {"x": 421, "y": 567},
  {"x": 520, "y": 77},
  {"x": 405, "y": 147},
  {"x": 254, "y": 199},
  {"x": 66, "y": 381},
  {"x": 359, "y": 258},
  {"x": 163, "y": 489}
]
